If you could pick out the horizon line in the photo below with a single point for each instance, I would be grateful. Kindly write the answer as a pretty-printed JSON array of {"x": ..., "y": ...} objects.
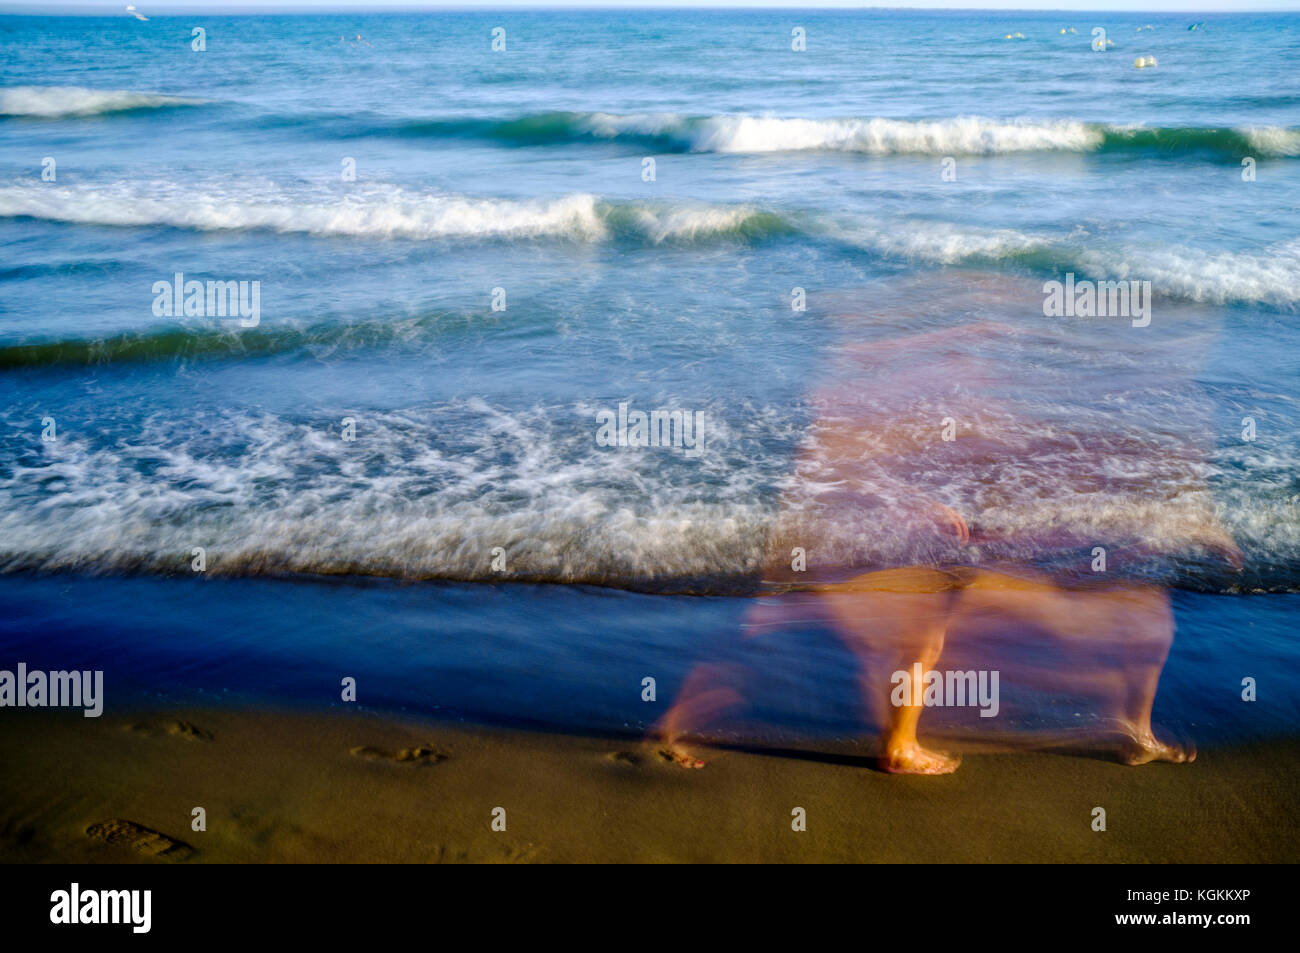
[{"x": 114, "y": 8}]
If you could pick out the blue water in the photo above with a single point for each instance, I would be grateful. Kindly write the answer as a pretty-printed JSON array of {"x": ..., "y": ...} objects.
[{"x": 522, "y": 170}]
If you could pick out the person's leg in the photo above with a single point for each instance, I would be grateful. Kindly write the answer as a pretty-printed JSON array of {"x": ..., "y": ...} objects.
[
  {"x": 901, "y": 752},
  {"x": 708, "y": 691},
  {"x": 1109, "y": 645},
  {"x": 716, "y": 688},
  {"x": 893, "y": 620},
  {"x": 1148, "y": 648}
]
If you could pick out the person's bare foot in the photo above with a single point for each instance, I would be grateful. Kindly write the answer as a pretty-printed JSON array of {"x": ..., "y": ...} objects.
[
  {"x": 1143, "y": 748},
  {"x": 913, "y": 759},
  {"x": 678, "y": 755},
  {"x": 955, "y": 522}
]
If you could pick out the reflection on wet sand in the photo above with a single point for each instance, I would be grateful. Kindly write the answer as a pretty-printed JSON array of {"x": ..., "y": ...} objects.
[{"x": 988, "y": 500}]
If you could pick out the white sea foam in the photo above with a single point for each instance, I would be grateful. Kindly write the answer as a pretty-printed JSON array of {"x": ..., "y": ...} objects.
[
  {"x": 690, "y": 222},
  {"x": 53, "y": 102},
  {"x": 1273, "y": 140},
  {"x": 376, "y": 211},
  {"x": 1269, "y": 276},
  {"x": 431, "y": 492},
  {"x": 369, "y": 211},
  {"x": 960, "y": 136},
  {"x": 753, "y": 134},
  {"x": 939, "y": 242}
]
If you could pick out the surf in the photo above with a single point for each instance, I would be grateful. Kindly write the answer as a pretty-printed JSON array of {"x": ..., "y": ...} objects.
[
  {"x": 393, "y": 212},
  {"x": 70, "y": 102},
  {"x": 868, "y": 136}
]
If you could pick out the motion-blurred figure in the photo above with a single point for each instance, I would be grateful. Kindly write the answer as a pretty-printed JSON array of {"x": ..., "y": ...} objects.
[{"x": 990, "y": 489}]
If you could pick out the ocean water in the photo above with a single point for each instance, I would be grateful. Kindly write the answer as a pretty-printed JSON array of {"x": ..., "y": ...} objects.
[{"x": 503, "y": 269}]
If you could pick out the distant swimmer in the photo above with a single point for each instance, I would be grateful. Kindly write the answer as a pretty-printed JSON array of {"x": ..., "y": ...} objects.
[{"x": 1144, "y": 62}]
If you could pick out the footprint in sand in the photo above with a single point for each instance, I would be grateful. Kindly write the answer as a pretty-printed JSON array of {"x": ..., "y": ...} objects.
[
  {"x": 665, "y": 755},
  {"x": 172, "y": 726},
  {"x": 630, "y": 758},
  {"x": 139, "y": 838},
  {"x": 419, "y": 755},
  {"x": 502, "y": 853}
]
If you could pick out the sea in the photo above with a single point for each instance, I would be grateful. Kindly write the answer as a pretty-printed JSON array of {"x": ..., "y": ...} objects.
[{"x": 444, "y": 260}]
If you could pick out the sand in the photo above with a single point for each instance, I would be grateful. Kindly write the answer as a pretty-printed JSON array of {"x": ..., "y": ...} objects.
[{"x": 359, "y": 787}]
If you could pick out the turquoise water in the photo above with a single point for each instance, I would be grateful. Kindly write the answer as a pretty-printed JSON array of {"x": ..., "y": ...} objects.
[{"x": 522, "y": 170}]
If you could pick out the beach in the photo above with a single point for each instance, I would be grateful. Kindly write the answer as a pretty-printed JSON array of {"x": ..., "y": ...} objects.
[
  {"x": 291, "y": 788},
  {"x": 410, "y": 415}
]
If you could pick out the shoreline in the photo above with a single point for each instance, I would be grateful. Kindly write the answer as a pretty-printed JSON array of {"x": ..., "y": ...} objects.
[{"x": 346, "y": 787}]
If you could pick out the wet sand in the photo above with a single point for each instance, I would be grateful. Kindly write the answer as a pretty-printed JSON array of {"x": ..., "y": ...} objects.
[{"x": 358, "y": 787}]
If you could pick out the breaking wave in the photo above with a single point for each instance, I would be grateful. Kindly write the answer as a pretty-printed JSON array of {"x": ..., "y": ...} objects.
[
  {"x": 379, "y": 211},
  {"x": 429, "y": 493},
  {"x": 62, "y": 102},
  {"x": 967, "y": 135},
  {"x": 1268, "y": 276}
]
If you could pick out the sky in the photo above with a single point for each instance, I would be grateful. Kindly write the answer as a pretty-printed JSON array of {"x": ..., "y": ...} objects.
[{"x": 144, "y": 6}]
